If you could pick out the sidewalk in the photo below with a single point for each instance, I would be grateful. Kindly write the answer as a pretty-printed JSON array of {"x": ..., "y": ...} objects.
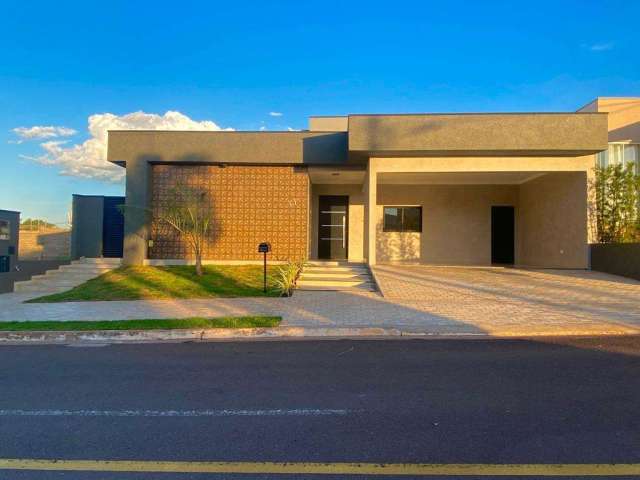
[{"x": 348, "y": 310}]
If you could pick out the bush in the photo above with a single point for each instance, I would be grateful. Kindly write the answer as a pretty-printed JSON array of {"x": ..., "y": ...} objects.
[
  {"x": 616, "y": 196},
  {"x": 287, "y": 277}
]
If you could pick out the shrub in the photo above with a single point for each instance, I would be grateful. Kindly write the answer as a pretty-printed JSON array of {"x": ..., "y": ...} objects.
[
  {"x": 287, "y": 277},
  {"x": 616, "y": 196}
]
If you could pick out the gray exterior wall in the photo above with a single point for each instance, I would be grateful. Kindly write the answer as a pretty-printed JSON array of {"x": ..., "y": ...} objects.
[
  {"x": 86, "y": 233},
  {"x": 616, "y": 258},
  {"x": 280, "y": 148},
  {"x": 14, "y": 225},
  {"x": 487, "y": 134}
]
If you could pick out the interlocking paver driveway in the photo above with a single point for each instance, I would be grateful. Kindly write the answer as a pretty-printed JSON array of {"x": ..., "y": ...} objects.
[{"x": 504, "y": 300}]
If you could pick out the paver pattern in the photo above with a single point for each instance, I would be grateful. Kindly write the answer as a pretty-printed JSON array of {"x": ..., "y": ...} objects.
[
  {"x": 499, "y": 300},
  {"x": 417, "y": 299}
]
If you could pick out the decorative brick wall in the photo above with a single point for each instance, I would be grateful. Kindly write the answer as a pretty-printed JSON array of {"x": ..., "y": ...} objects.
[{"x": 249, "y": 205}]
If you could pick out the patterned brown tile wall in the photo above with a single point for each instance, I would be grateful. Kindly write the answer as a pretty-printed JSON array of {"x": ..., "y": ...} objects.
[{"x": 249, "y": 204}]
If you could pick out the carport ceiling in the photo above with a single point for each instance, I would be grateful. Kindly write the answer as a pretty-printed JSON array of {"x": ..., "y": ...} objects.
[{"x": 457, "y": 178}]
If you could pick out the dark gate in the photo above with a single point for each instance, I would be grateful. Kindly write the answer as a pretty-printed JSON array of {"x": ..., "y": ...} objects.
[{"x": 112, "y": 227}]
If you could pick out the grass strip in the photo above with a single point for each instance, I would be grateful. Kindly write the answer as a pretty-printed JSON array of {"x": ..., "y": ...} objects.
[{"x": 144, "y": 324}]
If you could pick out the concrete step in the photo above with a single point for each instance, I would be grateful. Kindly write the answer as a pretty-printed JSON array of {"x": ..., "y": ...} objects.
[
  {"x": 306, "y": 275},
  {"x": 334, "y": 263},
  {"x": 73, "y": 270},
  {"x": 72, "y": 281},
  {"x": 336, "y": 276},
  {"x": 331, "y": 283},
  {"x": 66, "y": 277},
  {"x": 355, "y": 269},
  {"x": 98, "y": 261},
  {"x": 365, "y": 287},
  {"x": 37, "y": 288}
]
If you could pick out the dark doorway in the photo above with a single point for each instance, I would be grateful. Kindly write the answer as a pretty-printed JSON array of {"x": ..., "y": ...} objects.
[
  {"x": 112, "y": 227},
  {"x": 502, "y": 235},
  {"x": 333, "y": 227}
]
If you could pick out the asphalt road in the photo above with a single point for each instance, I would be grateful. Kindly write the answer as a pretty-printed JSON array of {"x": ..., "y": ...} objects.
[{"x": 401, "y": 401}]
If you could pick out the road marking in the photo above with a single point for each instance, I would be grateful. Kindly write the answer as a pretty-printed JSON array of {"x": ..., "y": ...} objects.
[
  {"x": 174, "y": 413},
  {"x": 301, "y": 468}
]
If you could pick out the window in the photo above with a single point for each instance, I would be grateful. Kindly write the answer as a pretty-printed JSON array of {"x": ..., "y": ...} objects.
[
  {"x": 620, "y": 154},
  {"x": 402, "y": 219},
  {"x": 5, "y": 231}
]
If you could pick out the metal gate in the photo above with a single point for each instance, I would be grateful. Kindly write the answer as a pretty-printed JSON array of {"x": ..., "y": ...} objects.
[{"x": 112, "y": 227}]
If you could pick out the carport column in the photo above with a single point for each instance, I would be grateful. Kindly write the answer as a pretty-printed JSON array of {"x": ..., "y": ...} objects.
[{"x": 370, "y": 211}]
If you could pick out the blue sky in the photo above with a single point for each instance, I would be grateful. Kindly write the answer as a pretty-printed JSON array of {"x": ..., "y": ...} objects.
[{"x": 233, "y": 63}]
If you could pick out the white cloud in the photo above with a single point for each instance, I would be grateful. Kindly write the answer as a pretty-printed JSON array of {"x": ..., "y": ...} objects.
[
  {"x": 89, "y": 159},
  {"x": 263, "y": 128},
  {"x": 40, "y": 132},
  {"x": 275, "y": 114},
  {"x": 289, "y": 129},
  {"x": 600, "y": 47}
]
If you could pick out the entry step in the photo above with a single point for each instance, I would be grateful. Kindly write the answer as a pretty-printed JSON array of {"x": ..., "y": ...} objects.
[{"x": 334, "y": 275}]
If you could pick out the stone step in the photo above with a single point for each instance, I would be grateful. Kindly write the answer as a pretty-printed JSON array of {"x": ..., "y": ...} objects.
[
  {"x": 66, "y": 277},
  {"x": 333, "y": 263},
  {"x": 37, "y": 288},
  {"x": 72, "y": 270},
  {"x": 73, "y": 281},
  {"x": 329, "y": 275},
  {"x": 366, "y": 287},
  {"x": 335, "y": 276},
  {"x": 98, "y": 261},
  {"x": 331, "y": 283},
  {"x": 356, "y": 269}
]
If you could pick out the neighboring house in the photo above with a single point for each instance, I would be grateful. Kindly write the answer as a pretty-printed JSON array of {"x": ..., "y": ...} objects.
[
  {"x": 624, "y": 129},
  {"x": 461, "y": 189},
  {"x": 9, "y": 235}
]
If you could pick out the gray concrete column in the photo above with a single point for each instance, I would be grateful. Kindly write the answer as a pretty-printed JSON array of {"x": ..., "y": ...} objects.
[{"x": 137, "y": 216}]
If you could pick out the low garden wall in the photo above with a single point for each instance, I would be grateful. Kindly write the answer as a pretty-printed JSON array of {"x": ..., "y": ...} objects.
[{"x": 617, "y": 258}]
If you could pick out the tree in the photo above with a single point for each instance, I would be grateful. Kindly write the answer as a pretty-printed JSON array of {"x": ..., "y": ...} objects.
[
  {"x": 616, "y": 204},
  {"x": 36, "y": 224},
  {"x": 187, "y": 211}
]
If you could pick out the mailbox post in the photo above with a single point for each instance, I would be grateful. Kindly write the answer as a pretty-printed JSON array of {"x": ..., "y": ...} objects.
[{"x": 264, "y": 248}]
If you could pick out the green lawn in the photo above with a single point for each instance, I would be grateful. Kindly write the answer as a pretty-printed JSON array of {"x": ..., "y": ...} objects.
[
  {"x": 153, "y": 324},
  {"x": 137, "y": 283}
]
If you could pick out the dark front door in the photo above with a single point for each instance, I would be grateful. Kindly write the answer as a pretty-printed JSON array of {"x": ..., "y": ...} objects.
[
  {"x": 332, "y": 227},
  {"x": 502, "y": 235},
  {"x": 112, "y": 227}
]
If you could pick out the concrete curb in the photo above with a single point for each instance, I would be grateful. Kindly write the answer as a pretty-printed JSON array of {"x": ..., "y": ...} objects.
[
  {"x": 151, "y": 336},
  {"x": 377, "y": 283},
  {"x": 138, "y": 336}
]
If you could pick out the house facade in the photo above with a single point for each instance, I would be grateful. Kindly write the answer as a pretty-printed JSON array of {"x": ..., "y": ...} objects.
[
  {"x": 623, "y": 121},
  {"x": 9, "y": 240},
  {"x": 454, "y": 189}
]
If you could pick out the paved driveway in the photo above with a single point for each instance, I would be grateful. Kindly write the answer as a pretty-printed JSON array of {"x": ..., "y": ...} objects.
[{"x": 499, "y": 300}]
